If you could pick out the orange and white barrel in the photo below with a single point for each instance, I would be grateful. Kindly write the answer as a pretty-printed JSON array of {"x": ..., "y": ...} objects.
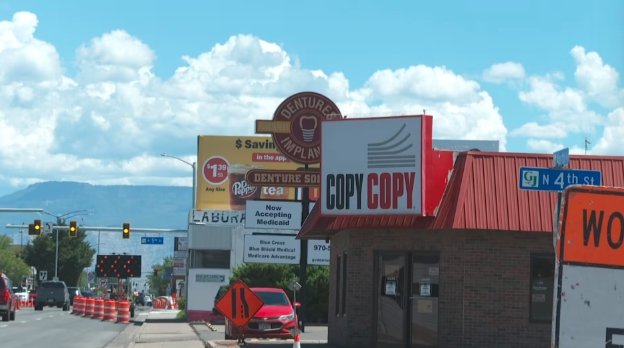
[
  {"x": 98, "y": 309},
  {"x": 123, "y": 312},
  {"x": 78, "y": 308},
  {"x": 89, "y": 303},
  {"x": 110, "y": 311}
]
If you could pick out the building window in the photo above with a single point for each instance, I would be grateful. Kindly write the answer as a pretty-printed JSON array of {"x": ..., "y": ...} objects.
[
  {"x": 210, "y": 259},
  {"x": 338, "y": 285},
  {"x": 542, "y": 285},
  {"x": 344, "y": 284}
]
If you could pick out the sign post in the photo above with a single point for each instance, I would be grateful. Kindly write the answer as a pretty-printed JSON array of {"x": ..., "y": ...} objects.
[
  {"x": 239, "y": 304},
  {"x": 295, "y": 130}
]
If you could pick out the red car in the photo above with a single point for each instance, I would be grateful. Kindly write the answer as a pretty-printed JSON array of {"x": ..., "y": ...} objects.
[
  {"x": 276, "y": 318},
  {"x": 8, "y": 299}
]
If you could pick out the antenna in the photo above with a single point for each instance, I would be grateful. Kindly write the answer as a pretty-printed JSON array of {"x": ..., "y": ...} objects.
[{"x": 586, "y": 143}]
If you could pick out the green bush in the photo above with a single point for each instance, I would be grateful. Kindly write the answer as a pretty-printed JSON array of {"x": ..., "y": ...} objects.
[{"x": 277, "y": 275}]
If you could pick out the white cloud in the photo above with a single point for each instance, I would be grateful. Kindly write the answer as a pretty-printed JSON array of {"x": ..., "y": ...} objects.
[
  {"x": 502, "y": 72},
  {"x": 597, "y": 79},
  {"x": 115, "y": 56},
  {"x": 543, "y": 146},
  {"x": 460, "y": 109},
  {"x": 612, "y": 140},
  {"x": 568, "y": 108}
]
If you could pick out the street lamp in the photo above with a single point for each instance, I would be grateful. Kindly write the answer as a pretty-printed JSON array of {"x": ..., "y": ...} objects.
[
  {"x": 193, "y": 165},
  {"x": 60, "y": 220}
]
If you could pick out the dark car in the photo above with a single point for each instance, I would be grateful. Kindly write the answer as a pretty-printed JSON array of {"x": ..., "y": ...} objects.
[
  {"x": 8, "y": 299},
  {"x": 87, "y": 293},
  {"x": 73, "y": 292},
  {"x": 275, "y": 319},
  {"x": 52, "y": 294}
]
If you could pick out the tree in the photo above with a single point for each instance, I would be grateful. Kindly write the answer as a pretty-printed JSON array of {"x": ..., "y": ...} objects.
[
  {"x": 10, "y": 264},
  {"x": 157, "y": 280},
  {"x": 74, "y": 255}
]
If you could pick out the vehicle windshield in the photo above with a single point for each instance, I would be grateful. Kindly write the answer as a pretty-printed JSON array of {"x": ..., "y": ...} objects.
[
  {"x": 52, "y": 285},
  {"x": 273, "y": 298}
]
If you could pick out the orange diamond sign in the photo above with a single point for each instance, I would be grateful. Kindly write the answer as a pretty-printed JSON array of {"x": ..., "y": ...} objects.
[{"x": 239, "y": 304}]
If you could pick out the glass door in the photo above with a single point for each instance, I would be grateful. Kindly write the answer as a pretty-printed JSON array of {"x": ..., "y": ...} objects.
[
  {"x": 424, "y": 283},
  {"x": 391, "y": 300}
]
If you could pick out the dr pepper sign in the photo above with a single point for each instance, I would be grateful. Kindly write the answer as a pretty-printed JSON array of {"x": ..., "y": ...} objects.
[
  {"x": 239, "y": 304},
  {"x": 372, "y": 166}
]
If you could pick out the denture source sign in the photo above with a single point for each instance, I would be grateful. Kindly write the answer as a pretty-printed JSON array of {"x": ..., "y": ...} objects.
[{"x": 372, "y": 166}]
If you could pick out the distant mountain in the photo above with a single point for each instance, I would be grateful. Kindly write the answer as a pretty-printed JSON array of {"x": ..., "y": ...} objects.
[{"x": 157, "y": 207}]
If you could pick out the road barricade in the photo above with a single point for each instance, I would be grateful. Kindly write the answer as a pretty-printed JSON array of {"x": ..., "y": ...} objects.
[
  {"x": 78, "y": 308},
  {"x": 89, "y": 303},
  {"x": 123, "y": 312},
  {"x": 110, "y": 311},
  {"x": 98, "y": 309}
]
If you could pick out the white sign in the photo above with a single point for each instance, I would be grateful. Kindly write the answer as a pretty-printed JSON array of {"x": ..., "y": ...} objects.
[
  {"x": 273, "y": 214},
  {"x": 217, "y": 217},
  {"x": 103, "y": 282},
  {"x": 561, "y": 158},
  {"x": 209, "y": 278},
  {"x": 47, "y": 227},
  {"x": 271, "y": 249},
  {"x": 43, "y": 275},
  {"x": 372, "y": 166},
  {"x": 181, "y": 244},
  {"x": 587, "y": 314},
  {"x": 179, "y": 266},
  {"x": 318, "y": 252}
]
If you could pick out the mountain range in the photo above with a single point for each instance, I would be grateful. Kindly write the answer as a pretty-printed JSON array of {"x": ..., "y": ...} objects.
[{"x": 146, "y": 207}]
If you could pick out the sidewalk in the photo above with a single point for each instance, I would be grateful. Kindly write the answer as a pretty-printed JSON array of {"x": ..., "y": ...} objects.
[{"x": 162, "y": 329}]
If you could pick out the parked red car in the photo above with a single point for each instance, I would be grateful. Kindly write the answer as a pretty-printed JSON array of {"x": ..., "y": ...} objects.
[
  {"x": 276, "y": 319},
  {"x": 8, "y": 299}
]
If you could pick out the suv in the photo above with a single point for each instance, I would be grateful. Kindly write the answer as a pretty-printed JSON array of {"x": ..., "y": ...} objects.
[
  {"x": 8, "y": 300},
  {"x": 53, "y": 294}
]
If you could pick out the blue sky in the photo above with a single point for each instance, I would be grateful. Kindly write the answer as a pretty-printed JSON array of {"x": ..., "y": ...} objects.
[{"x": 95, "y": 91}]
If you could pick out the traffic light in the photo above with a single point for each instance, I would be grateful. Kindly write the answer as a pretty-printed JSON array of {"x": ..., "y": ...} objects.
[
  {"x": 125, "y": 230},
  {"x": 34, "y": 229},
  {"x": 73, "y": 229}
]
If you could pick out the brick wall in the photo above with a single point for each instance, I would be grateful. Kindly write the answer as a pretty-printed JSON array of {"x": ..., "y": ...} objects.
[{"x": 484, "y": 285}]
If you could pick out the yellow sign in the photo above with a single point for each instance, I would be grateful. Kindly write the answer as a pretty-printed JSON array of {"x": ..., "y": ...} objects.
[{"x": 224, "y": 162}]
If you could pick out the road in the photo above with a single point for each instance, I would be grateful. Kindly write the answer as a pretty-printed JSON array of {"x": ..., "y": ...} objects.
[{"x": 54, "y": 328}]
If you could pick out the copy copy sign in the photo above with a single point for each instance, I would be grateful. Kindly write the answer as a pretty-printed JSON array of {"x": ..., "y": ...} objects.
[
  {"x": 372, "y": 166},
  {"x": 590, "y": 252}
]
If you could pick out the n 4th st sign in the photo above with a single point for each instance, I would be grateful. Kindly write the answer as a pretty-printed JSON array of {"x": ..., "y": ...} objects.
[{"x": 548, "y": 179}]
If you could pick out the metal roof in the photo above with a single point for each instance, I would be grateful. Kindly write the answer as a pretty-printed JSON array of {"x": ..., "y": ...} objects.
[{"x": 482, "y": 194}]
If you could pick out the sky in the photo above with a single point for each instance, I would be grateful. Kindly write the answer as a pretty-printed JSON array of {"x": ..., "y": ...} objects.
[{"x": 95, "y": 91}]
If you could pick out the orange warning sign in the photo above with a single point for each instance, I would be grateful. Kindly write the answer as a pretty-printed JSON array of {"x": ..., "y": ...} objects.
[
  {"x": 239, "y": 304},
  {"x": 592, "y": 226}
]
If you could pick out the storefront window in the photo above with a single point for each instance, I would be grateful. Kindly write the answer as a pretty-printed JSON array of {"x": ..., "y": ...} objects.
[
  {"x": 210, "y": 259},
  {"x": 542, "y": 283}
]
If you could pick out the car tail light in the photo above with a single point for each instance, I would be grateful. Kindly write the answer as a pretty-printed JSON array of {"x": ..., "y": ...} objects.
[{"x": 5, "y": 296}]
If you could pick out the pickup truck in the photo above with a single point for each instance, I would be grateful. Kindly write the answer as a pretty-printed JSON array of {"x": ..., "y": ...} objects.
[{"x": 52, "y": 294}]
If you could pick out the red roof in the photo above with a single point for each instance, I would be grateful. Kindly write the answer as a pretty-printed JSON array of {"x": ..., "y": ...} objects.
[{"x": 482, "y": 194}]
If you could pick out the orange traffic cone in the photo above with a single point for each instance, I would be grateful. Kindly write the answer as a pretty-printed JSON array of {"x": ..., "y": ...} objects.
[{"x": 297, "y": 344}]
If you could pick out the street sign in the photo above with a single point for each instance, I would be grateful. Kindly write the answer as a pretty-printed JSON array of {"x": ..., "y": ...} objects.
[
  {"x": 47, "y": 228},
  {"x": 561, "y": 158},
  {"x": 152, "y": 240},
  {"x": 103, "y": 283},
  {"x": 239, "y": 304},
  {"x": 43, "y": 275},
  {"x": 554, "y": 179},
  {"x": 283, "y": 178},
  {"x": 90, "y": 277}
]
